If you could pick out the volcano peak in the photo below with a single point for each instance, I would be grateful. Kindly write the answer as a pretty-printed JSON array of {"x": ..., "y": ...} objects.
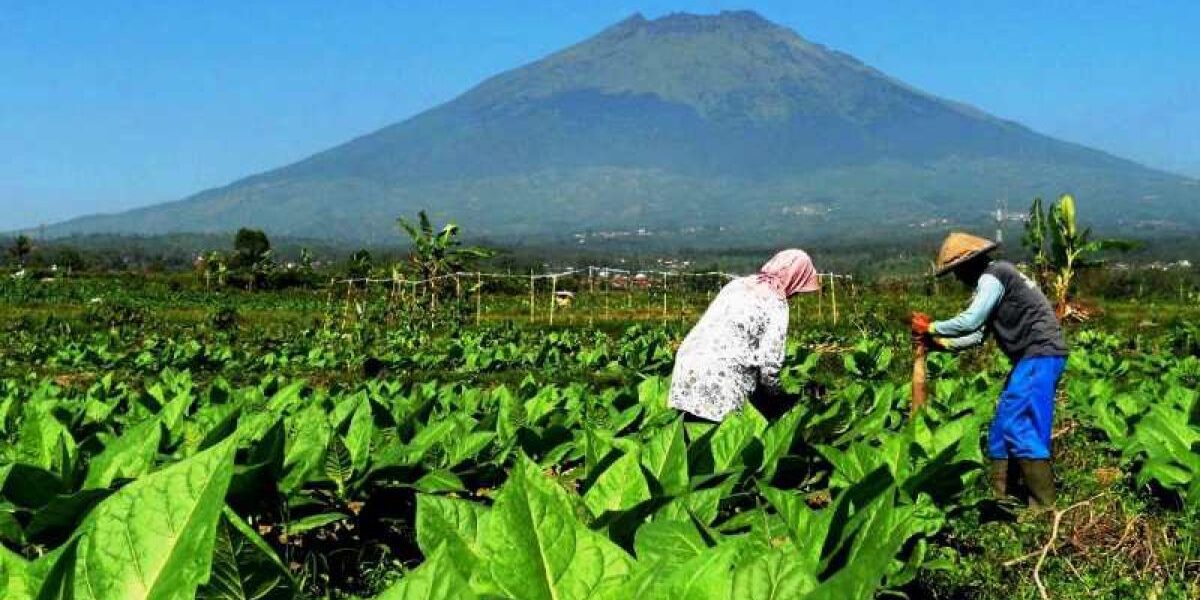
[{"x": 674, "y": 123}]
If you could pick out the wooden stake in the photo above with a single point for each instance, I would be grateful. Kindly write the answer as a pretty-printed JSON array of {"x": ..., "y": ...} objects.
[
  {"x": 531, "y": 295},
  {"x": 478, "y": 298},
  {"x": 403, "y": 285},
  {"x": 919, "y": 392},
  {"x": 553, "y": 296},
  {"x": 820, "y": 300},
  {"x": 833, "y": 296},
  {"x": 664, "y": 317},
  {"x": 606, "y": 290}
]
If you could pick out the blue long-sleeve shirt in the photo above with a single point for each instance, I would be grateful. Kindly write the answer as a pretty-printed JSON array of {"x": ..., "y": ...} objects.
[{"x": 966, "y": 329}]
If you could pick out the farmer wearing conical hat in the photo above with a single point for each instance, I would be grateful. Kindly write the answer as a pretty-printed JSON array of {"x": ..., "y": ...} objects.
[{"x": 1010, "y": 307}]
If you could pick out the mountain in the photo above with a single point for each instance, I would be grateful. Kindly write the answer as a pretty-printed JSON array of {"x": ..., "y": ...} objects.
[{"x": 702, "y": 129}]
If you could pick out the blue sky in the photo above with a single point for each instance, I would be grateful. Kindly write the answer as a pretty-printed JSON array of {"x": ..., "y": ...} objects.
[{"x": 106, "y": 106}]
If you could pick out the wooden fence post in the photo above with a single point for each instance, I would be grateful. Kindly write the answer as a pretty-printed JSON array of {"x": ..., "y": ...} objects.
[
  {"x": 664, "y": 316},
  {"x": 833, "y": 296},
  {"x": 820, "y": 300},
  {"x": 553, "y": 296},
  {"x": 607, "y": 288}
]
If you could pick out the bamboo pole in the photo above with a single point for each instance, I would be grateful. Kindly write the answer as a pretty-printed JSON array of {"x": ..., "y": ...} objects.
[
  {"x": 664, "y": 315},
  {"x": 553, "y": 296},
  {"x": 820, "y": 300},
  {"x": 404, "y": 296},
  {"x": 683, "y": 304},
  {"x": 833, "y": 296},
  {"x": 531, "y": 295},
  {"x": 591, "y": 298},
  {"x": 478, "y": 299},
  {"x": 349, "y": 299},
  {"x": 606, "y": 291},
  {"x": 457, "y": 293}
]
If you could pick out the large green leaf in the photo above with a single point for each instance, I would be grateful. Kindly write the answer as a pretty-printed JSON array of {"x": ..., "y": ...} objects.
[
  {"x": 338, "y": 466},
  {"x": 154, "y": 538},
  {"x": 416, "y": 449},
  {"x": 359, "y": 434},
  {"x": 778, "y": 440},
  {"x": 707, "y": 576},
  {"x": 244, "y": 567},
  {"x": 620, "y": 487},
  {"x": 54, "y": 522},
  {"x": 308, "y": 436},
  {"x": 665, "y": 457},
  {"x": 209, "y": 425},
  {"x": 702, "y": 504},
  {"x": 439, "y": 481},
  {"x": 734, "y": 435},
  {"x": 14, "y": 580},
  {"x": 51, "y": 577},
  {"x": 451, "y": 524},
  {"x": 464, "y": 448},
  {"x": 652, "y": 394},
  {"x": 129, "y": 456},
  {"x": 28, "y": 485},
  {"x": 536, "y": 549},
  {"x": 668, "y": 543},
  {"x": 778, "y": 574},
  {"x": 42, "y": 441},
  {"x": 173, "y": 413},
  {"x": 807, "y": 527},
  {"x": 437, "y": 578},
  {"x": 882, "y": 537}
]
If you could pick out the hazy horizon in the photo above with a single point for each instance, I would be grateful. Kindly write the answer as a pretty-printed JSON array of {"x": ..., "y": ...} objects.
[{"x": 109, "y": 109}]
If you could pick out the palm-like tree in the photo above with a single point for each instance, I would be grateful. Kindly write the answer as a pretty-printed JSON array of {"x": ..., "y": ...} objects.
[
  {"x": 22, "y": 246},
  {"x": 1060, "y": 248},
  {"x": 438, "y": 253}
]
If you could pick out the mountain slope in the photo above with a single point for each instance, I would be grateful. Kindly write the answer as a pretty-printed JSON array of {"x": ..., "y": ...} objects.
[{"x": 682, "y": 125}]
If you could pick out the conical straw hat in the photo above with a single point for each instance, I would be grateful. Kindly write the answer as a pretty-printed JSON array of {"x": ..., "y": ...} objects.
[{"x": 959, "y": 248}]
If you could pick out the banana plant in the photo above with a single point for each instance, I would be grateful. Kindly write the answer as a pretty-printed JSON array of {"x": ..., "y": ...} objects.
[
  {"x": 21, "y": 248},
  {"x": 435, "y": 254},
  {"x": 215, "y": 265},
  {"x": 1060, "y": 248},
  {"x": 1034, "y": 240}
]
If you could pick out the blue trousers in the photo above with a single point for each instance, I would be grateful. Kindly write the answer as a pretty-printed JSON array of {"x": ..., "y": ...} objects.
[{"x": 1025, "y": 414}]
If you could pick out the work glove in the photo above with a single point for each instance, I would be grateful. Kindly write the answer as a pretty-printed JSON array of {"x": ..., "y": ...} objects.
[{"x": 920, "y": 323}]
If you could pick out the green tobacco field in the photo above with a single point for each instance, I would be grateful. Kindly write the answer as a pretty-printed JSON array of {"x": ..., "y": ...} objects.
[{"x": 162, "y": 441}]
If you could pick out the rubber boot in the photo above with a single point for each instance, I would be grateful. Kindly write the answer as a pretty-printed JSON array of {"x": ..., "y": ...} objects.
[
  {"x": 1039, "y": 478},
  {"x": 999, "y": 476}
]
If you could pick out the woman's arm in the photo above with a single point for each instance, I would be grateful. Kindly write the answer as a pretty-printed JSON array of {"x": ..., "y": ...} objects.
[
  {"x": 772, "y": 350},
  {"x": 988, "y": 293}
]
